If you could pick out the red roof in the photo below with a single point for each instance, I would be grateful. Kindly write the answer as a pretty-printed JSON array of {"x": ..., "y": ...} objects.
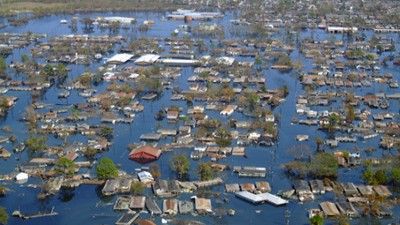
[{"x": 145, "y": 153}]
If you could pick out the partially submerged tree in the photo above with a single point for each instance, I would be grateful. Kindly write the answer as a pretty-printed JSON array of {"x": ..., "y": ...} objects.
[
  {"x": 396, "y": 175},
  {"x": 85, "y": 80},
  {"x": 324, "y": 165},
  {"x": 3, "y": 216},
  {"x": 3, "y": 66},
  {"x": 106, "y": 169},
  {"x": 342, "y": 220},
  {"x": 3, "y": 191},
  {"x": 31, "y": 117},
  {"x": 65, "y": 166},
  {"x": 350, "y": 114},
  {"x": 180, "y": 164},
  {"x": 375, "y": 177},
  {"x": 333, "y": 121},
  {"x": 317, "y": 220},
  {"x": 223, "y": 137},
  {"x": 155, "y": 170},
  {"x": 137, "y": 188},
  {"x": 106, "y": 132},
  {"x": 205, "y": 171},
  {"x": 90, "y": 152},
  {"x": 319, "y": 142},
  {"x": 36, "y": 143}
]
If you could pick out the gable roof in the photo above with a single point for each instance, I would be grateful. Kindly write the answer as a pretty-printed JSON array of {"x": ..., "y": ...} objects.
[{"x": 148, "y": 150}]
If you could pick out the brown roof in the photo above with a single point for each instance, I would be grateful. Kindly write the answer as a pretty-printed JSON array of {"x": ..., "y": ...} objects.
[
  {"x": 203, "y": 204},
  {"x": 145, "y": 222},
  {"x": 150, "y": 150},
  {"x": 247, "y": 187}
]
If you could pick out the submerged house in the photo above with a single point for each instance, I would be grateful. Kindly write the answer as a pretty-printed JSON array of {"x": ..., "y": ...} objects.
[
  {"x": 203, "y": 205},
  {"x": 166, "y": 189},
  {"x": 170, "y": 206},
  {"x": 145, "y": 154}
]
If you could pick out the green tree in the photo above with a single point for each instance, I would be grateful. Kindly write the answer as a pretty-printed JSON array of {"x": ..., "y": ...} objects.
[
  {"x": 48, "y": 71},
  {"x": 324, "y": 165},
  {"x": 342, "y": 220},
  {"x": 226, "y": 93},
  {"x": 25, "y": 58},
  {"x": 36, "y": 143},
  {"x": 380, "y": 177},
  {"x": 350, "y": 114},
  {"x": 3, "y": 191},
  {"x": 396, "y": 175},
  {"x": 85, "y": 79},
  {"x": 90, "y": 152},
  {"x": 284, "y": 60},
  {"x": 319, "y": 142},
  {"x": 152, "y": 84},
  {"x": 180, "y": 164},
  {"x": 334, "y": 120},
  {"x": 154, "y": 169},
  {"x": 3, "y": 216},
  {"x": 368, "y": 175},
  {"x": 205, "y": 171},
  {"x": 3, "y": 65},
  {"x": 4, "y": 103},
  {"x": 258, "y": 61},
  {"x": 317, "y": 220},
  {"x": 252, "y": 100},
  {"x": 223, "y": 137},
  {"x": 106, "y": 132},
  {"x": 62, "y": 70},
  {"x": 137, "y": 188},
  {"x": 65, "y": 166},
  {"x": 106, "y": 169},
  {"x": 284, "y": 90}
]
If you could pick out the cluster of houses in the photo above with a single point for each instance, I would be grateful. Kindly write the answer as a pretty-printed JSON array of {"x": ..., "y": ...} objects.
[{"x": 76, "y": 49}]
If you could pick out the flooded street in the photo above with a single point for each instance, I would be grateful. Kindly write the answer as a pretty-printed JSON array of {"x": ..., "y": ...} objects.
[{"x": 87, "y": 205}]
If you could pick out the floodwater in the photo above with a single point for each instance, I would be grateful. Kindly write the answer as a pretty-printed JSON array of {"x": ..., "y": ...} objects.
[{"x": 84, "y": 205}]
